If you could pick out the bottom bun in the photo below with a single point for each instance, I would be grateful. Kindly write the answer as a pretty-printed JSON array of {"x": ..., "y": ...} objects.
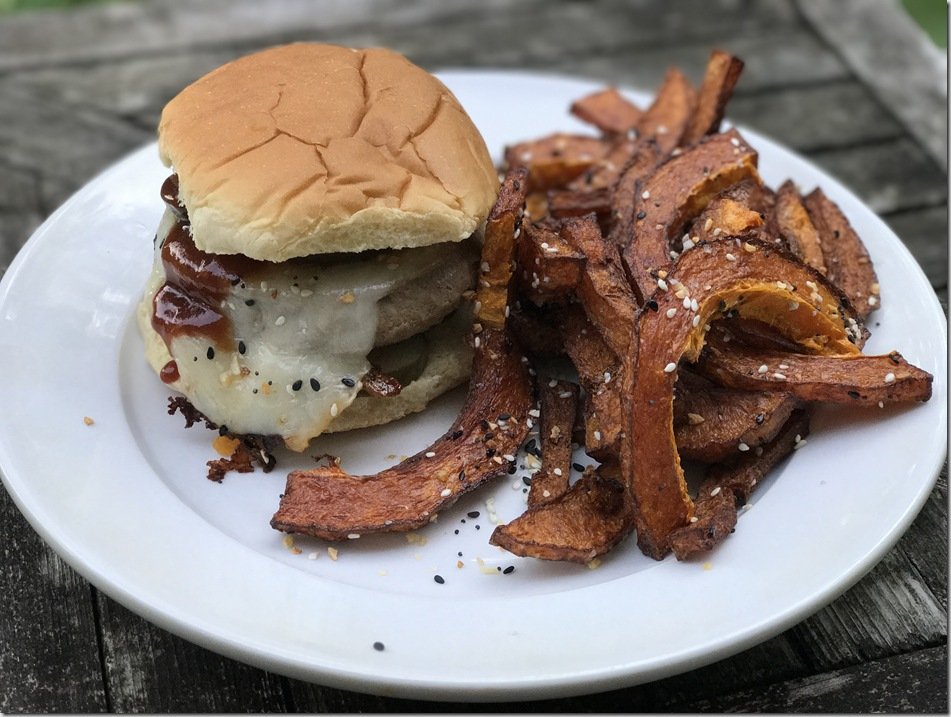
[{"x": 446, "y": 363}]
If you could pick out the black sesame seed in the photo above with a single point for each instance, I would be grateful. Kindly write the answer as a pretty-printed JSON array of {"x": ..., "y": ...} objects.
[
  {"x": 853, "y": 394},
  {"x": 378, "y": 646},
  {"x": 578, "y": 467},
  {"x": 473, "y": 514},
  {"x": 459, "y": 553},
  {"x": 315, "y": 384},
  {"x": 509, "y": 570},
  {"x": 456, "y": 531},
  {"x": 249, "y": 302},
  {"x": 513, "y": 469},
  {"x": 210, "y": 353},
  {"x": 439, "y": 579},
  {"x": 759, "y": 418},
  {"x": 348, "y": 382},
  {"x": 478, "y": 527},
  {"x": 254, "y": 390},
  {"x": 455, "y": 434},
  {"x": 222, "y": 430},
  {"x": 484, "y": 424},
  {"x": 641, "y": 214},
  {"x": 296, "y": 386},
  {"x": 527, "y": 480},
  {"x": 462, "y": 475},
  {"x": 489, "y": 452},
  {"x": 504, "y": 416},
  {"x": 652, "y": 305},
  {"x": 241, "y": 347}
]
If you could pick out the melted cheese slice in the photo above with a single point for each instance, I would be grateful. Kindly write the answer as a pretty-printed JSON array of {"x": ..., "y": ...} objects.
[{"x": 302, "y": 333}]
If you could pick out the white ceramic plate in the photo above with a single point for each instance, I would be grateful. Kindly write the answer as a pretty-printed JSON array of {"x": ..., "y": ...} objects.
[{"x": 125, "y": 500}]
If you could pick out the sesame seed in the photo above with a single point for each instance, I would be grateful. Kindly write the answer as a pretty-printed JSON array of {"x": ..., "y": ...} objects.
[
  {"x": 353, "y": 536},
  {"x": 280, "y": 321},
  {"x": 734, "y": 141},
  {"x": 715, "y": 492},
  {"x": 784, "y": 366},
  {"x": 779, "y": 376},
  {"x": 694, "y": 519},
  {"x": 315, "y": 384},
  {"x": 688, "y": 244},
  {"x": 662, "y": 285},
  {"x": 430, "y": 454},
  {"x": 241, "y": 347},
  {"x": 889, "y": 378},
  {"x": 210, "y": 353},
  {"x": 717, "y": 232},
  {"x": 764, "y": 368},
  {"x": 334, "y": 410},
  {"x": 439, "y": 579},
  {"x": 348, "y": 382},
  {"x": 378, "y": 646},
  {"x": 730, "y": 257},
  {"x": 742, "y": 447},
  {"x": 445, "y": 492},
  {"x": 707, "y": 225},
  {"x": 645, "y": 194},
  {"x": 670, "y": 368},
  {"x": 686, "y": 302},
  {"x": 696, "y": 321},
  {"x": 872, "y": 301},
  {"x": 509, "y": 570},
  {"x": 694, "y": 306},
  {"x": 296, "y": 386},
  {"x": 557, "y": 471},
  {"x": 597, "y": 435},
  {"x": 800, "y": 442}
]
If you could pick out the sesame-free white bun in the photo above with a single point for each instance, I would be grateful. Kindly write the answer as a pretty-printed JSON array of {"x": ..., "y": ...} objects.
[{"x": 308, "y": 149}]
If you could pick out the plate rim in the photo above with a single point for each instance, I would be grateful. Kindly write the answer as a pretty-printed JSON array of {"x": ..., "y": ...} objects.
[{"x": 531, "y": 687}]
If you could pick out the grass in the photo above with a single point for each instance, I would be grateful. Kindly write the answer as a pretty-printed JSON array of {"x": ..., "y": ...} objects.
[{"x": 932, "y": 15}]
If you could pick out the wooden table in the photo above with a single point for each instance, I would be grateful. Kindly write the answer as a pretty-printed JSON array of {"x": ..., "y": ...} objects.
[{"x": 851, "y": 85}]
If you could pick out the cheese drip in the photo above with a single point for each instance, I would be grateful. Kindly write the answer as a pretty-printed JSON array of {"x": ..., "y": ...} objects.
[{"x": 301, "y": 333}]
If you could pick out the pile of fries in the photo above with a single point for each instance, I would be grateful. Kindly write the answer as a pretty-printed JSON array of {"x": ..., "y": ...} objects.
[{"x": 704, "y": 313}]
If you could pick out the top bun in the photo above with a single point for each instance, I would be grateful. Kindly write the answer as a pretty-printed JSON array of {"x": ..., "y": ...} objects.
[{"x": 308, "y": 149}]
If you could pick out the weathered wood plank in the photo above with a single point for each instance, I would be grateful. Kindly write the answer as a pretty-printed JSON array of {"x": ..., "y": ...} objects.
[
  {"x": 925, "y": 232},
  {"x": 49, "y": 661},
  {"x": 59, "y": 143},
  {"x": 492, "y": 28},
  {"x": 890, "y": 176},
  {"x": 914, "y": 682},
  {"x": 150, "y": 670},
  {"x": 817, "y": 117},
  {"x": 926, "y": 542},
  {"x": 891, "y": 55},
  {"x": 889, "y": 611}
]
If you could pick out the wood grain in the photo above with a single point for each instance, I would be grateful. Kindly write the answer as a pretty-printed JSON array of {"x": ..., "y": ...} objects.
[{"x": 80, "y": 88}]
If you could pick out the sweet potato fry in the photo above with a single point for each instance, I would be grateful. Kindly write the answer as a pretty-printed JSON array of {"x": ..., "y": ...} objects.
[
  {"x": 730, "y": 483},
  {"x": 667, "y": 119},
  {"x": 603, "y": 291},
  {"x": 555, "y": 160},
  {"x": 593, "y": 516},
  {"x": 674, "y": 195},
  {"x": 723, "y": 71},
  {"x": 549, "y": 268},
  {"x": 608, "y": 110},
  {"x": 327, "y": 502},
  {"x": 598, "y": 368},
  {"x": 713, "y": 424},
  {"x": 718, "y": 283},
  {"x": 558, "y": 401},
  {"x": 847, "y": 262},
  {"x": 725, "y": 217},
  {"x": 855, "y": 379},
  {"x": 498, "y": 249},
  {"x": 795, "y": 226},
  {"x": 578, "y": 202}
]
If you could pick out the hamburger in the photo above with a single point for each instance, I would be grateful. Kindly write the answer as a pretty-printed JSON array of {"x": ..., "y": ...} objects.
[{"x": 322, "y": 230}]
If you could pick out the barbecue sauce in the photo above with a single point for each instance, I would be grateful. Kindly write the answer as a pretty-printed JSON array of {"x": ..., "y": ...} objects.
[{"x": 196, "y": 282}]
